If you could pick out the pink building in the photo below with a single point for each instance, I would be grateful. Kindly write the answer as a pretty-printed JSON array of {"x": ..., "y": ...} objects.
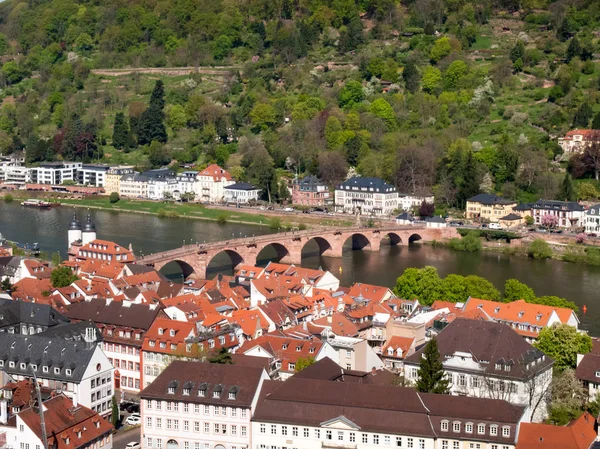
[
  {"x": 194, "y": 405},
  {"x": 310, "y": 191}
]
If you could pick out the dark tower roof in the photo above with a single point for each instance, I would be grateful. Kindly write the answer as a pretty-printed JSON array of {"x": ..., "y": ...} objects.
[
  {"x": 75, "y": 225},
  {"x": 89, "y": 225}
]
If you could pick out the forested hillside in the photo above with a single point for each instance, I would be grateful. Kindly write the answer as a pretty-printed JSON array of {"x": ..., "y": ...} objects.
[{"x": 451, "y": 96}]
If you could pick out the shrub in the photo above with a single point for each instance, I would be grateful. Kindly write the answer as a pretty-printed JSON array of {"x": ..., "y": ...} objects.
[
  {"x": 114, "y": 198},
  {"x": 580, "y": 238},
  {"x": 470, "y": 243},
  {"x": 8, "y": 198},
  {"x": 222, "y": 218},
  {"x": 275, "y": 223},
  {"x": 301, "y": 227},
  {"x": 539, "y": 249},
  {"x": 162, "y": 213}
]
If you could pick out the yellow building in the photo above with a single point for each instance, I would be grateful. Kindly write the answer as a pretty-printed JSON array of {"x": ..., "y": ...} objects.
[
  {"x": 113, "y": 178},
  {"x": 486, "y": 207}
]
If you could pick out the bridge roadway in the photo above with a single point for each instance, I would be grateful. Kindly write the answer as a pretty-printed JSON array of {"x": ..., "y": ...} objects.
[{"x": 195, "y": 258}]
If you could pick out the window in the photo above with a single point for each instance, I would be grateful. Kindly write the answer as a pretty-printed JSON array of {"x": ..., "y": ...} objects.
[
  {"x": 455, "y": 445},
  {"x": 263, "y": 428},
  {"x": 505, "y": 431},
  {"x": 365, "y": 438},
  {"x": 186, "y": 426},
  {"x": 149, "y": 421},
  {"x": 481, "y": 429},
  {"x": 444, "y": 444},
  {"x": 445, "y": 425},
  {"x": 197, "y": 408},
  {"x": 233, "y": 430},
  {"x": 149, "y": 404},
  {"x": 375, "y": 439},
  {"x": 273, "y": 429},
  {"x": 216, "y": 429},
  {"x": 469, "y": 427},
  {"x": 186, "y": 445},
  {"x": 186, "y": 392},
  {"x": 243, "y": 431},
  {"x": 158, "y": 423},
  {"x": 169, "y": 406},
  {"x": 317, "y": 433},
  {"x": 244, "y": 412},
  {"x": 206, "y": 427},
  {"x": 291, "y": 366},
  {"x": 158, "y": 405},
  {"x": 294, "y": 431},
  {"x": 421, "y": 444},
  {"x": 196, "y": 426},
  {"x": 149, "y": 440},
  {"x": 387, "y": 440},
  {"x": 409, "y": 442},
  {"x": 493, "y": 430},
  {"x": 305, "y": 432},
  {"x": 456, "y": 426},
  {"x": 207, "y": 409},
  {"x": 169, "y": 424},
  {"x": 170, "y": 390},
  {"x": 352, "y": 437},
  {"x": 398, "y": 441}
]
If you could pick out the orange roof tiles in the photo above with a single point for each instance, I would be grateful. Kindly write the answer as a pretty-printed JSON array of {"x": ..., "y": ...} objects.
[
  {"x": 339, "y": 324},
  {"x": 586, "y": 133},
  {"x": 38, "y": 269},
  {"x": 216, "y": 172},
  {"x": 101, "y": 268},
  {"x": 396, "y": 342},
  {"x": 284, "y": 349},
  {"x": 370, "y": 292},
  {"x": 250, "y": 321},
  {"x": 168, "y": 333},
  {"x": 578, "y": 434},
  {"x": 31, "y": 289}
]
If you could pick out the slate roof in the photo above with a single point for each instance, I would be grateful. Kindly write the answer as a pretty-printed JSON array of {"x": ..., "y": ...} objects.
[
  {"x": 358, "y": 183},
  {"x": 310, "y": 183},
  {"x": 207, "y": 377},
  {"x": 376, "y": 408},
  {"x": 524, "y": 207},
  {"x": 435, "y": 219},
  {"x": 511, "y": 217},
  {"x": 558, "y": 205},
  {"x": 9, "y": 265},
  {"x": 139, "y": 316},
  {"x": 30, "y": 313},
  {"x": 241, "y": 186},
  {"x": 489, "y": 199},
  {"x": 405, "y": 216},
  {"x": 327, "y": 369},
  {"x": 41, "y": 350},
  {"x": 490, "y": 342},
  {"x": 588, "y": 367}
]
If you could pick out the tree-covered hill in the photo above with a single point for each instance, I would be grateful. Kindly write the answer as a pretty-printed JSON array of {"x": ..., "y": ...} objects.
[{"x": 450, "y": 96}]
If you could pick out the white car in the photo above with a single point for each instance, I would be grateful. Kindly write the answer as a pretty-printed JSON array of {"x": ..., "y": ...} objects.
[
  {"x": 288, "y": 209},
  {"x": 494, "y": 226},
  {"x": 133, "y": 420},
  {"x": 133, "y": 445}
]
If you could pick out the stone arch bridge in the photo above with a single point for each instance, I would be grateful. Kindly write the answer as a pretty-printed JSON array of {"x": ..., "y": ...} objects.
[{"x": 195, "y": 258}]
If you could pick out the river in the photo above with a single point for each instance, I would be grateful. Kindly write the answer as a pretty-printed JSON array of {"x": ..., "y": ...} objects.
[{"x": 149, "y": 234}]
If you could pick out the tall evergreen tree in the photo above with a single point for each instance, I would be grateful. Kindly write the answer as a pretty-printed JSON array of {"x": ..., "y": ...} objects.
[
  {"x": 596, "y": 121},
  {"x": 411, "y": 76},
  {"x": 468, "y": 186},
  {"x": 574, "y": 49},
  {"x": 120, "y": 138},
  {"x": 583, "y": 116},
  {"x": 567, "y": 191},
  {"x": 432, "y": 378},
  {"x": 152, "y": 122}
]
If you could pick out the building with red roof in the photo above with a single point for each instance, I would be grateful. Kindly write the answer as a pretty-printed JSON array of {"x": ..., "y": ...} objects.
[
  {"x": 578, "y": 434},
  {"x": 211, "y": 182},
  {"x": 576, "y": 140}
]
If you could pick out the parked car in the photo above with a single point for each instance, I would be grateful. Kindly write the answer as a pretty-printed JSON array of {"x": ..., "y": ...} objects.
[
  {"x": 483, "y": 225},
  {"x": 133, "y": 420},
  {"x": 133, "y": 445},
  {"x": 495, "y": 226},
  {"x": 123, "y": 405},
  {"x": 288, "y": 209},
  {"x": 134, "y": 408}
]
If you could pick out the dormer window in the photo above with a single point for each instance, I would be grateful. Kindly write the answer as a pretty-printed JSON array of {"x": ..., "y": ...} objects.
[
  {"x": 538, "y": 316},
  {"x": 456, "y": 426},
  {"x": 298, "y": 348},
  {"x": 521, "y": 313},
  {"x": 45, "y": 369},
  {"x": 498, "y": 366},
  {"x": 445, "y": 426},
  {"x": 11, "y": 364},
  {"x": 497, "y": 309},
  {"x": 56, "y": 370},
  {"x": 68, "y": 372},
  {"x": 160, "y": 331},
  {"x": 284, "y": 347},
  {"x": 163, "y": 345},
  {"x": 202, "y": 390},
  {"x": 506, "y": 367},
  {"x": 171, "y": 390},
  {"x": 216, "y": 394},
  {"x": 311, "y": 350},
  {"x": 33, "y": 367},
  {"x": 23, "y": 366},
  {"x": 172, "y": 332},
  {"x": 233, "y": 392},
  {"x": 186, "y": 391},
  {"x": 152, "y": 343}
]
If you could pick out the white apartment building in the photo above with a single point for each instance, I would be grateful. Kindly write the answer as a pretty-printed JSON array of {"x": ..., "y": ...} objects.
[
  {"x": 567, "y": 214},
  {"x": 14, "y": 174},
  {"x": 366, "y": 196},
  {"x": 187, "y": 183},
  {"x": 194, "y": 405},
  {"x": 133, "y": 186},
  {"x": 162, "y": 188},
  {"x": 309, "y": 413},
  {"x": 92, "y": 175},
  {"x": 211, "y": 183},
  {"x": 55, "y": 173},
  {"x": 486, "y": 359},
  {"x": 78, "y": 369},
  {"x": 241, "y": 193},
  {"x": 592, "y": 220},
  {"x": 349, "y": 352},
  {"x": 408, "y": 202}
]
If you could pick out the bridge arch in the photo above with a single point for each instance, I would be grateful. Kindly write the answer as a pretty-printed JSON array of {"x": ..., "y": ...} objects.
[
  {"x": 391, "y": 239},
  {"x": 171, "y": 269},
  {"x": 358, "y": 241},
  {"x": 414, "y": 238},
  {"x": 281, "y": 253},
  {"x": 322, "y": 246},
  {"x": 224, "y": 260}
]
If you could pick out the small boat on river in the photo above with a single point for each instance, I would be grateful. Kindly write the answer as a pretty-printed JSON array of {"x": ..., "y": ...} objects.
[{"x": 37, "y": 203}]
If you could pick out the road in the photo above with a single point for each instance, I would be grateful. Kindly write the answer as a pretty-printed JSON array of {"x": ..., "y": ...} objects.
[{"x": 121, "y": 438}]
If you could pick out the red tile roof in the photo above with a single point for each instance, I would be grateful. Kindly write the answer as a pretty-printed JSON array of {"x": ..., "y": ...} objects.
[
  {"x": 396, "y": 342},
  {"x": 284, "y": 349},
  {"x": 578, "y": 434},
  {"x": 31, "y": 289},
  {"x": 169, "y": 332},
  {"x": 369, "y": 292},
  {"x": 216, "y": 172},
  {"x": 38, "y": 269}
]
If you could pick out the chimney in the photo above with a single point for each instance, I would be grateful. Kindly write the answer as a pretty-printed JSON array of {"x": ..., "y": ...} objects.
[{"x": 373, "y": 371}]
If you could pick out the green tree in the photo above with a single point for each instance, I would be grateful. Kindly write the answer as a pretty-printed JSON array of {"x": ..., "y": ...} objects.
[
  {"x": 263, "y": 116},
  {"x": 62, "y": 277},
  {"x": 114, "y": 198},
  {"x": 382, "y": 109},
  {"x": 115, "y": 412},
  {"x": 518, "y": 51},
  {"x": 440, "y": 48},
  {"x": 411, "y": 77},
  {"x": 596, "y": 121},
  {"x": 539, "y": 249},
  {"x": 13, "y": 73},
  {"x": 568, "y": 396},
  {"x": 563, "y": 342},
  {"x": 479, "y": 287},
  {"x": 303, "y": 362},
  {"x": 120, "y": 137},
  {"x": 515, "y": 290},
  {"x": 158, "y": 156},
  {"x": 432, "y": 378},
  {"x": 583, "y": 115},
  {"x": 574, "y": 49},
  {"x": 176, "y": 117},
  {"x": 567, "y": 191},
  {"x": 221, "y": 357},
  {"x": 454, "y": 73},
  {"x": 423, "y": 284},
  {"x": 351, "y": 94},
  {"x": 6, "y": 286},
  {"x": 151, "y": 125},
  {"x": 56, "y": 259},
  {"x": 432, "y": 79}
]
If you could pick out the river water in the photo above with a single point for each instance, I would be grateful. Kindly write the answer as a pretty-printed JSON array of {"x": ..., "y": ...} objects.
[{"x": 149, "y": 234}]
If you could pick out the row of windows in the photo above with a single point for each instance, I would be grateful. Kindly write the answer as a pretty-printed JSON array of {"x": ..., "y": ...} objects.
[
  {"x": 481, "y": 428},
  {"x": 342, "y": 436},
  {"x": 130, "y": 382},
  {"x": 456, "y": 445},
  {"x": 158, "y": 444},
  {"x": 217, "y": 429},
  {"x": 209, "y": 410},
  {"x": 123, "y": 349},
  {"x": 125, "y": 364},
  {"x": 45, "y": 368}
]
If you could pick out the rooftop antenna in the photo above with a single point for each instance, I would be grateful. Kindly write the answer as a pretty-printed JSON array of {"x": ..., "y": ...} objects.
[{"x": 41, "y": 410}]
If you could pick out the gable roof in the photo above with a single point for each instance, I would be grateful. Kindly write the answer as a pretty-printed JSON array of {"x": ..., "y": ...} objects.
[
  {"x": 139, "y": 316},
  {"x": 22, "y": 312},
  {"x": 160, "y": 332},
  {"x": 489, "y": 199},
  {"x": 358, "y": 183}
]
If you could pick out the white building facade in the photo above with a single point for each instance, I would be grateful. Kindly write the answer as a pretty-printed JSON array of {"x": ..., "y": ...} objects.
[
  {"x": 592, "y": 220},
  {"x": 366, "y": 196},
  {"x": 241, "y": 193},
  {"x": 55, "y": 173}
]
